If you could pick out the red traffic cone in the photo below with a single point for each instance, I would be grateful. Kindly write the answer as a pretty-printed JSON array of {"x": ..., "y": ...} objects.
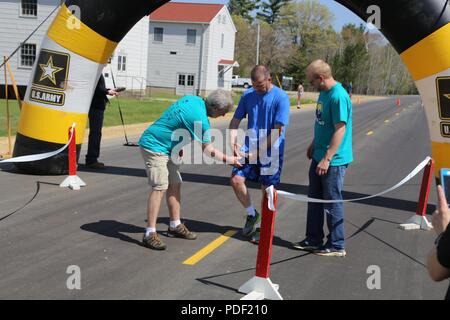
[{"x": 398, "y": 102}]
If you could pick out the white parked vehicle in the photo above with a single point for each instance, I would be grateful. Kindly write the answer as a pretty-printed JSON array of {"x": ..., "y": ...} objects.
[{"x": 237, "y": 81}]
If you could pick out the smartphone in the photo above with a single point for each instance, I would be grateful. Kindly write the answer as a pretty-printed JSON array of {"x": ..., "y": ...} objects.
[
  {"x": 120, "y": 89},
  {"x": 445, "y": 183}
]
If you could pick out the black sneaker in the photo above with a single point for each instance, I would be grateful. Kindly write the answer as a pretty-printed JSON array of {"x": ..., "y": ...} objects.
[
  {"x": 330, "y": 252},
  {"x": 306, "y": 245},
  {"x": 95, "y": 165},
  {"x": 251, "y": 224}
]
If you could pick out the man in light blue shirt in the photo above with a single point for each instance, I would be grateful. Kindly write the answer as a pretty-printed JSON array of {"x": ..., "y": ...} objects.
[
  {"x": 159, "y": 145},
  {"x": 331, "y": 152}
]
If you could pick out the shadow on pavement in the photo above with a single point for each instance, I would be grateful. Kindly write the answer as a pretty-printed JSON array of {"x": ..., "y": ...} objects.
[{"x": 118, "y": 230}]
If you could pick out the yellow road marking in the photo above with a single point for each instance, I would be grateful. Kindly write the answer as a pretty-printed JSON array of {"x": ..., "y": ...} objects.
[
  {"x": 209, "y": 248},
  {"x": 397, "y": 114},
  {"x": 386, "y": 121},
  {"x": 370, "y": 133}
]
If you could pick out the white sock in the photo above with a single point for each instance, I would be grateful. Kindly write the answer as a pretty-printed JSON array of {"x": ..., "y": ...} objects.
[
  {"x": 174, "y": 224},
  {"x": 149, "y": 230},
  {"x": 251, "y": 211}
]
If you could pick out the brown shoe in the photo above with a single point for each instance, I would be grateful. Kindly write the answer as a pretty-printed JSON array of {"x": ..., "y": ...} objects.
[
  {"x": 95, "y": 165},
  {"x": 181, "y": 232},
  {"x": 153, "y": 241}
]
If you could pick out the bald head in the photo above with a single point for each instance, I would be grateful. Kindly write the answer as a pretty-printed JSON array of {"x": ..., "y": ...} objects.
[
  {"x": 261, "y": 79},
  {"x": 259, "y": 72},
  {"x": 319, "y": 75},
  {"x": 320, "y": 68}
]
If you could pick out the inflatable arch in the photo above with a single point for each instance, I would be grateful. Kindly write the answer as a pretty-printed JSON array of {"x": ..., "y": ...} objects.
[{"x": 77, "y": 46}]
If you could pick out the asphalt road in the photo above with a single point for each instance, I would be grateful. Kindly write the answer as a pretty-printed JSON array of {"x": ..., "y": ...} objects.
[{"x": 45, "y": 229}]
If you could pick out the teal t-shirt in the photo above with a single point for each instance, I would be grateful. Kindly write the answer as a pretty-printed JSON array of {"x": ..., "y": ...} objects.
[
  {"x": 188, "y": 113},
  {"x": 333, "y": 106}
]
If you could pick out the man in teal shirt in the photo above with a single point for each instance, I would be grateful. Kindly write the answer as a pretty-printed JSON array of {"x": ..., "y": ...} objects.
[
  {"x": 331, "y": 152},
  {"x": 162, "y": 143}
]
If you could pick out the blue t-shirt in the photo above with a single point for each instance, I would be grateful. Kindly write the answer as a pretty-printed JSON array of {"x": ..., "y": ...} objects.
[
  {"x": 188, "y": 113},
  {"x": 333, "y": 106},
  {"x": 264, "y": 111}
]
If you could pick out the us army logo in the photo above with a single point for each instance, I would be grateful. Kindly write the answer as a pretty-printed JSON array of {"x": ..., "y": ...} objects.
[
  {"x": 49, "y": 97},
  {"x": 52, "y": 70},
  {"x": 443, "y": 92},
  {"x": 445, "y": 129}
]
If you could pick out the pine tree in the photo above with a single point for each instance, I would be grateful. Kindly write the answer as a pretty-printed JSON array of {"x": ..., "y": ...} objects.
[
  {"x": 270, "y": 10},
  {"x": 243, "y": 8}
]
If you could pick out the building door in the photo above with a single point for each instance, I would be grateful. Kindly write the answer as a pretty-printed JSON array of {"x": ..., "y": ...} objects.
[
  {"x": 185, "y": 84},
  {"x": 221, "y": 77}
]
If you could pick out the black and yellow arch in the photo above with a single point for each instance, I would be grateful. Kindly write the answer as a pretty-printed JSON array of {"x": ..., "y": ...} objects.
[
  {"x": 79, "y": 42},
  {"x": 420, "y": 32},
  {"x": 71, "y": 59}
]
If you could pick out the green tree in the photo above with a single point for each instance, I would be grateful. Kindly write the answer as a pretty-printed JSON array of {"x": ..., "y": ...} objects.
[
  {"x": 270, "y": 10},
  {"x": 351, "y": 64},
  {"x": 310, "y": 27},
  {"x": 243, "y": 8},
  {"x": 245, "y": 46}
]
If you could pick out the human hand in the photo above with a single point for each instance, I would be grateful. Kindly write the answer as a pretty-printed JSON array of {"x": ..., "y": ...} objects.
[
  {"x": 236, "y": 148},
  {"x": 322, "y": 167},
  {"x": 112, "y": 92},
  {"x": 234, "y": 161},
  {"x": 441, "y": 217}
]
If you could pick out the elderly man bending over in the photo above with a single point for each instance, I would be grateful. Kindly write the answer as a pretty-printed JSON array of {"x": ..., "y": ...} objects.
[{"x": 189, "y": 114}]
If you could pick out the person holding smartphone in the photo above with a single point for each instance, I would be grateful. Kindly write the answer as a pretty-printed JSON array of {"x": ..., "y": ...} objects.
[
  {"x": 96, "y": 115},
  {"x": 438, "y": 262}
]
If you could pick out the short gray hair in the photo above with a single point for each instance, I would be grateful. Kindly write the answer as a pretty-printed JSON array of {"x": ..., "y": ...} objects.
[{"x": 220, "y": 99}]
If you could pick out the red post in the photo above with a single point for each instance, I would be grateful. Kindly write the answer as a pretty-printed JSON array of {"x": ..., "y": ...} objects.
[
  {"x": 72, "y": 153},
  {"x": 425, "y": 189},
  {"x": 398, "y": 103},
  {"x": 266, "y": 237}
]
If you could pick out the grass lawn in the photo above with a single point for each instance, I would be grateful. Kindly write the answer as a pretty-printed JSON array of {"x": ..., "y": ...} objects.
[{"x": 133, "y": 110}]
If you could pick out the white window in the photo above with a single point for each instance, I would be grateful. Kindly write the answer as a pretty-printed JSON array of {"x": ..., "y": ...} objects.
[
  {"x": 191, "y": 36},
  {"x": 122, "y": 63},
  {"x": 222, "y": 41},
  {"x": 27, "y": 55},
  {"x": 28, "y": 8},
  {"x": 158, "y": 34}
]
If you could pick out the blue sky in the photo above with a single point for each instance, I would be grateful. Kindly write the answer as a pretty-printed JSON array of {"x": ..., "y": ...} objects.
[{"x": 341, "y": 14}]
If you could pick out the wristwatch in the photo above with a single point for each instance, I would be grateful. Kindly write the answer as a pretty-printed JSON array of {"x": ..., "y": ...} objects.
[{"x": 438, "y": 238}]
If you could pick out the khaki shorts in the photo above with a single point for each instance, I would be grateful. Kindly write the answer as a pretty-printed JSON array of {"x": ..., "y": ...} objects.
[{"x": 161, "y": 171}]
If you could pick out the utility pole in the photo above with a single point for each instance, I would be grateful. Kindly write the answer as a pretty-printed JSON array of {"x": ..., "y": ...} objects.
[{"x": 257, "y": 43}]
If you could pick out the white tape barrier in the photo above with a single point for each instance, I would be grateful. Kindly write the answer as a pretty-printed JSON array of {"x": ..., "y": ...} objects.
[
  {"x": 303, "y": 198},
  {"x": 40, "y": 156}
]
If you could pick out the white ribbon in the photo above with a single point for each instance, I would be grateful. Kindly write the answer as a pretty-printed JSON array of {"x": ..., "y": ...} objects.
[
  {"x": 41, "y": 156},
  {"x": 303, "y": 198}
]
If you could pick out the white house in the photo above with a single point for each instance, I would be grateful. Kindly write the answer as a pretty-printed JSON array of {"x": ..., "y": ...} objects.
[
  {"x": 191, "y": 48},
  {"x": 19, "y": 18}
]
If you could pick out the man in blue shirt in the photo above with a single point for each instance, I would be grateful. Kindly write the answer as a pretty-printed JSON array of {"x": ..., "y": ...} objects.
[
  {"x": 162, "y": 143},
  {"x": 267, "y": 109},
  {"x": 331, "y": 152}
]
